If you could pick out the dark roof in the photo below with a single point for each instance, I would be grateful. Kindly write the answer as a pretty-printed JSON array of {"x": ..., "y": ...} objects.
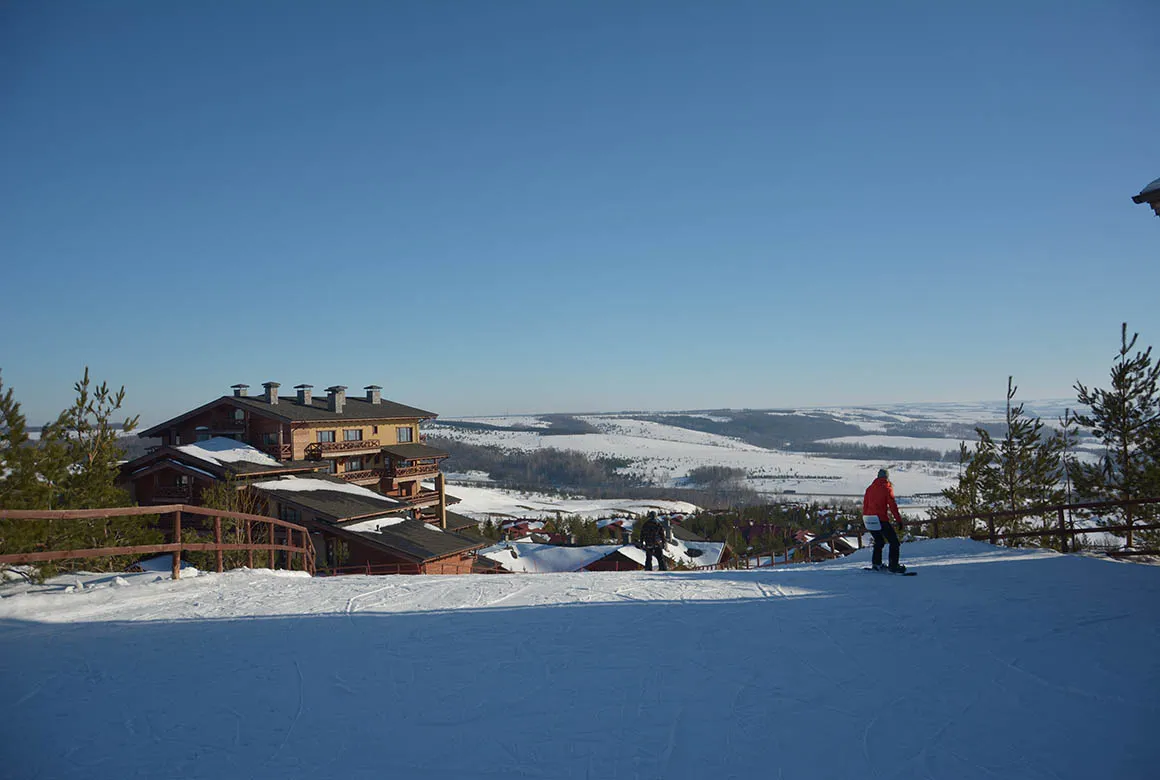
[
  {"x": 420, "y": 540},
  {"x": 685, "y": 535},
  {"x": 318, "y": 410},
  {"x": 457, "y": 522},
  {"x": 334, "y": 505},
  {"x": 1149, "y": 193},
  {"x": 414, "y": 451}
]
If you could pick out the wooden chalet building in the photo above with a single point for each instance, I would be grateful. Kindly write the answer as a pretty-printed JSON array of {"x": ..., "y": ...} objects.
[
  {"x": 368, "y": 441},
  {"x": 356, "y": 530},
  {"x": 180, "y": 474}
]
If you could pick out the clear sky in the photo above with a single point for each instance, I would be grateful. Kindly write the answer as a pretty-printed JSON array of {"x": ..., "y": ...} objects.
[{"x": 501, "y": 207}]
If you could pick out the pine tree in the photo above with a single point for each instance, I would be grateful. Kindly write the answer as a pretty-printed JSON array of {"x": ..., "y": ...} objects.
[
  {"x": 90, "y": 439},
  {"x": 15, "y": 452},
  {"x": 1068, "y": 437},
  {"x": 965, "y": 497},
  {"x": 1020, "y": 471},
  {"x": 75, "y": 465},
  {"x": 1126, "y": 420}
]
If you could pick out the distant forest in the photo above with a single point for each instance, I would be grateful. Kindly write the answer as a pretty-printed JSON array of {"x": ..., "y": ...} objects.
[{"x": 567, "y": 472}]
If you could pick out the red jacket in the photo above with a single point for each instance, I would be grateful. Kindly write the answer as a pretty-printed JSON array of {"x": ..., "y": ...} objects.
[{"x": 879, "y": 500}]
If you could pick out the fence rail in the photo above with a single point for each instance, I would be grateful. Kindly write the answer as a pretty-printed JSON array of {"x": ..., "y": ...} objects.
[
  {"x": 1063, "y": 529},
  {"x": 284, "y": 537}
]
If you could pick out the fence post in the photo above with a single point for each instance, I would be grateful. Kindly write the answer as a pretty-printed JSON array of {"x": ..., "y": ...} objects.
[
  {"x": 217, "y": 539},
  {"x": 1062, "y": 530},
  {"x": 271, "y": 544},
  {"x": 250, "y": 544},
  {"x": 934, "y": 528},
  {"x": 991, "y": 530},
  {"x": 177, "y": 541}
]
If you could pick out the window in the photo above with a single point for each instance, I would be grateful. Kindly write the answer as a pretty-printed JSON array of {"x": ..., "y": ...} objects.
[
  {"x": 375, "y": 430},
  {"x": 406, "y": 435},
  {"x": 239, "y": 414},
  {"x": 353, "y": 464},
  {"x": 269, "y": 438},
  {"x": 324, "y": 436},
  {"x": 287, "y": 513},
  {"x": 328, "y": 467},
  {"x": 203, "y": 436},
  {"x": 354, "y": 434}
]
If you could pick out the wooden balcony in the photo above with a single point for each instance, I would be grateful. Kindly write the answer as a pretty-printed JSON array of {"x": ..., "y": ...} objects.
[
  {"x": 331, "y": 449},
  {"x": 172, "y": 492},
  {"x": 407, "y": 472},
  {"x": 278, "y": 451},
  {"x": 422, "y": 498},
  {"x": 365, "y": 475}
]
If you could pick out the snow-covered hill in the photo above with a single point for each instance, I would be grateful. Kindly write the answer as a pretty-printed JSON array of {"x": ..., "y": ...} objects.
[
  {"x": 662, "y": 449},
  {"x": 991, "y": 663}
]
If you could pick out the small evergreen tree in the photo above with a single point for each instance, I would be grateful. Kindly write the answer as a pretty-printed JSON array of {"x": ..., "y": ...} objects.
[
  {"x": 965, "y": 497},
  {"x": 75, "y": 465},
  {"x": 1126, "y": 420},
  {"x": 1020, "y": 471}
]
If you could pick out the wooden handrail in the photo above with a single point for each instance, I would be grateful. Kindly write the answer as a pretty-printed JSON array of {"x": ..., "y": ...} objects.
[{"x": 305, "y": 549}]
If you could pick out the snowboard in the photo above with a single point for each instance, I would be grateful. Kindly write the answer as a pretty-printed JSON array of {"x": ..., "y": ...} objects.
[{"x": 907, "y": 573}]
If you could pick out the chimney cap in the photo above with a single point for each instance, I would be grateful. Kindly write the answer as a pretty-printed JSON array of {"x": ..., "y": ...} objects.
[
  {"x": 336, "y": 389},
  {"x": 299, "y": 387},
  {"x": 271, "y": 384},
  {"x": 373, "y": 387},
  {"x": 232, "y": 387}
]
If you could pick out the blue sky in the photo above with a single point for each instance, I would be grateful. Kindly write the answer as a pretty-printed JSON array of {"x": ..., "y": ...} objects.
[{"x": 494, "y": 207}]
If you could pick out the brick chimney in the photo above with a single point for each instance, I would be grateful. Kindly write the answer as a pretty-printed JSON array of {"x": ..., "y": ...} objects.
[
  {"x": 374, "y": 394},
  {"x": 271, "y": 395},
  {"x": 304, "y": 392},
  {"x": 240, "y": 391},
  {"x": 336, "y": 398}
]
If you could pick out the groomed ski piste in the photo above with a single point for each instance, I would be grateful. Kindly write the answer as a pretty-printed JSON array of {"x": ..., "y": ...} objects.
[{"x": 995, "y": 663}]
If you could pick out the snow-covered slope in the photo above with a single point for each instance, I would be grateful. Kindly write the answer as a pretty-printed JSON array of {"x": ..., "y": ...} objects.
[{"x": 991, "y": 663}]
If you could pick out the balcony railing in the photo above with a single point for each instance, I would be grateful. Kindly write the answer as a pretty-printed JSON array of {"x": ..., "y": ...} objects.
[
  {"x": 359, "y": 476},
  {"x": 278, "y": 451},
  {"x": 422, "y": 498},
  {"x": 396, "y": 472},
  {"x": 319, "y": 449},
  {"x": 172, "y": 491}
]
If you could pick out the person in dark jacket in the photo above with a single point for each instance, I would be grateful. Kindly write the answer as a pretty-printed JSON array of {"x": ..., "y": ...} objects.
[
  {"x": 878, "y": 506},
  {"x": 653, "y": 540}
]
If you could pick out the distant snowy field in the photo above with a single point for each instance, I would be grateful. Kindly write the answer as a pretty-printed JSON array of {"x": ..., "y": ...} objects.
[
  {"x": 662, "y": 454},
  {"x": 490, "y": 503},
  {"x": 991, "y": 663}
]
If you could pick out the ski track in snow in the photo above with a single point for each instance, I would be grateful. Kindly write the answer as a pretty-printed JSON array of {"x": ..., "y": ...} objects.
[{"x": 972, "y": 669}]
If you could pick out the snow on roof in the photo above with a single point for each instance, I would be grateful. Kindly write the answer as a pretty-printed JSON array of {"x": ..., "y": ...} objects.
[
  {"x": 303, "y": 484},
  {"x": 220, "y": 450},
  {"x": 542, "y": 558},
  {"x": 374, "y": 524}
]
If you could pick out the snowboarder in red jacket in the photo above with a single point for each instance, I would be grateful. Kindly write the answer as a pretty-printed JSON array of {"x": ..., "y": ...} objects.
[{"x": 878, "y": 506}]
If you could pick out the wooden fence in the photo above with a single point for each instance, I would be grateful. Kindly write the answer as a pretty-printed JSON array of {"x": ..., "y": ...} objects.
[
  {"x": 283, "y": 537},
  {"x": 1063, "y": 529}
]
